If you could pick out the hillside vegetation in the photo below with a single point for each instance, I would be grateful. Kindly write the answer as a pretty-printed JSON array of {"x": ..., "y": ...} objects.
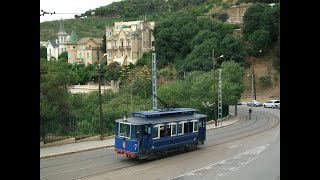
[{"x": 184, "y": 42}]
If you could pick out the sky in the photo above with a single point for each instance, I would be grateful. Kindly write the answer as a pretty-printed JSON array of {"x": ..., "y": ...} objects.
[{"x": 66, "y": 9}]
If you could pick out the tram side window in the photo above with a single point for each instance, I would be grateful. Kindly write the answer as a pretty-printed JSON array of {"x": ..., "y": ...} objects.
[
  {"x": 190, "y": 126},
  {"x": 168, "y": 130},
  {"x": 195, "y": 127},
  {"x": 173, "y": 129},
  {"x": 155, "y": 133},
  {"x": 201, "y": 122},
  {"x": 147, "y": 129},
  {"x": 124, "y": 130},
  {"x": 162, "y": 131},
  {"x": 185, "y": 127},
  {"x": 180, "y": 128}
]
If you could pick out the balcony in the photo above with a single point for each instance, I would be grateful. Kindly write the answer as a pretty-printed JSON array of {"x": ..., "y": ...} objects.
[
  {"x": 79, "y": 60},
  {"x": 128, "y": 47},
  {"x": 115, "y": 47},
  {"x": 121, "y": 47},
  {"x": 92, "y": 48}
]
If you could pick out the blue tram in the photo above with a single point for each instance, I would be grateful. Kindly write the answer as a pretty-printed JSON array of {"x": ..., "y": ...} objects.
[{"x": 158, "y": 133}]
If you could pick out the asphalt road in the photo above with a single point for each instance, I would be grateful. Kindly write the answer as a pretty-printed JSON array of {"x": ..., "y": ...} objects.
[{"x": 249, "y": 149}]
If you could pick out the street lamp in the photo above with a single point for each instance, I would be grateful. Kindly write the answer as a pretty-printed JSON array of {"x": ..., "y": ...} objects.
[
  {"x": 214, "y": 86},
  {"x": 100, "y": 99}
]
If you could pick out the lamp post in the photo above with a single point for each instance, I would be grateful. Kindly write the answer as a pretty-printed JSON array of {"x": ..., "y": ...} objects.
[
  {"x": 100, "y": 98},
  {"x": 214, "y": 86}
]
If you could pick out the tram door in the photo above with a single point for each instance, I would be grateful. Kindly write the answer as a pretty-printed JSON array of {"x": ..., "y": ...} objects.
[
  {"x": 146, "y": 130},
  {"x": 202, "y": 129}
]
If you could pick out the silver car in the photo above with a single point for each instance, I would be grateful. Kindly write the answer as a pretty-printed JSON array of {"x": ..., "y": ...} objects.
[{"x": 254, "y": 103}]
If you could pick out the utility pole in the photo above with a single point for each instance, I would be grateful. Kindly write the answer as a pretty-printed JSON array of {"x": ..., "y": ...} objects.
[
  {"x": 214, "y": 89},
  {"x": 100, "y": 98},
  {"x": 253, "y": 85},
  {"x": 154, "y": 82},
  {"x": 214, "y": 86},
  {"x": 220, "y": 97}
]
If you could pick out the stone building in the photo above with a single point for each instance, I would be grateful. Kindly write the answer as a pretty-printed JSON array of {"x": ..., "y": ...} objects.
[{"x": 129, "y": 39}]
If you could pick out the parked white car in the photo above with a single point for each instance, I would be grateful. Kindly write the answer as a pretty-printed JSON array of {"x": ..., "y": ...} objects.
[
  {"x": 272, "y": 103},
  {"x": 254, "y": 103}
]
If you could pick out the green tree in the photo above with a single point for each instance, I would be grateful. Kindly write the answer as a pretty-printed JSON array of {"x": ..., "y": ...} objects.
[
  {"x": 201, "y": 57},
  {"x": 63, "y": 55},
  {"x": 260, "y": 40},
  {"x": 43, "y": 52},
  {"x": 233, "y": 48},
  {"x": 112, "y": 71},
  {"x": 255, "y": 18},
  {"x": 262, "y": 16},
  {"x": 276, "y": 63},
  {"x": 56, "y": 115},
  {"x": 104, "y": 44},
  {"x": 232, "y": 83},
  {"x": 223, "y": 17},
  {"x": 202, "y": 36}
]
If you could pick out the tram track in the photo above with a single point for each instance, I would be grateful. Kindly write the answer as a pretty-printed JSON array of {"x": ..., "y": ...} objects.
[
  {"x": 134, "y": 162},
  {"x": 236, "y": 135}
]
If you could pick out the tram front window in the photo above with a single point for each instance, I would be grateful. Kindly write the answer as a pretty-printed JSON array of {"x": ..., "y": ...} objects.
[
  {"x": 124, "y": 130},
  {"x": 135, "y": 131}
]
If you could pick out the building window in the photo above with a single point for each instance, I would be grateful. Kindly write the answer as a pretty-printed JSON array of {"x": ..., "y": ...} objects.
[
  {"x": 109, "y": 55},
  {"x": 74, "y": 47},
  {"x": 88, "y": 55},
  {"x": 80, "y": 55},
  {"x": 152, "y": 43}
]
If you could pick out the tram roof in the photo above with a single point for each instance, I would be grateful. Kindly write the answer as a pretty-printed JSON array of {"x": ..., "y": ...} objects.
[
  {"x": 147, "y": 117},
  {"x": 164, "y": 111}
]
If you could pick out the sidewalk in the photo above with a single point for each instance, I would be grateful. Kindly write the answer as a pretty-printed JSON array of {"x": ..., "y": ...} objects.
[{"x": 91, "y": 145}]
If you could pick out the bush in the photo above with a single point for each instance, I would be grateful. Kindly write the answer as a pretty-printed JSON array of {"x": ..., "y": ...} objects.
[
  {"x": 276, "y": 63},
  {"x": 264, "y": 81}
]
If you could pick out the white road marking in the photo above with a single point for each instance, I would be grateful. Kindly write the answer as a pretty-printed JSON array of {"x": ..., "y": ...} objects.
[
  {"x": 233, "y": 146},
  {"x": 276, "y": 136},
  {"x": 252, "y": 152}
]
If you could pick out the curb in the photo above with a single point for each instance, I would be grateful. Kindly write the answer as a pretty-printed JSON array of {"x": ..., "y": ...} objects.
[
  {"x": 83, "y": 150},
  {"x": 224, "y": 125}
]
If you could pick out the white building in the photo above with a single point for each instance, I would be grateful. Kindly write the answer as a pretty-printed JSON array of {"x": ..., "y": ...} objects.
[{"x": 57, "y": 46}]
